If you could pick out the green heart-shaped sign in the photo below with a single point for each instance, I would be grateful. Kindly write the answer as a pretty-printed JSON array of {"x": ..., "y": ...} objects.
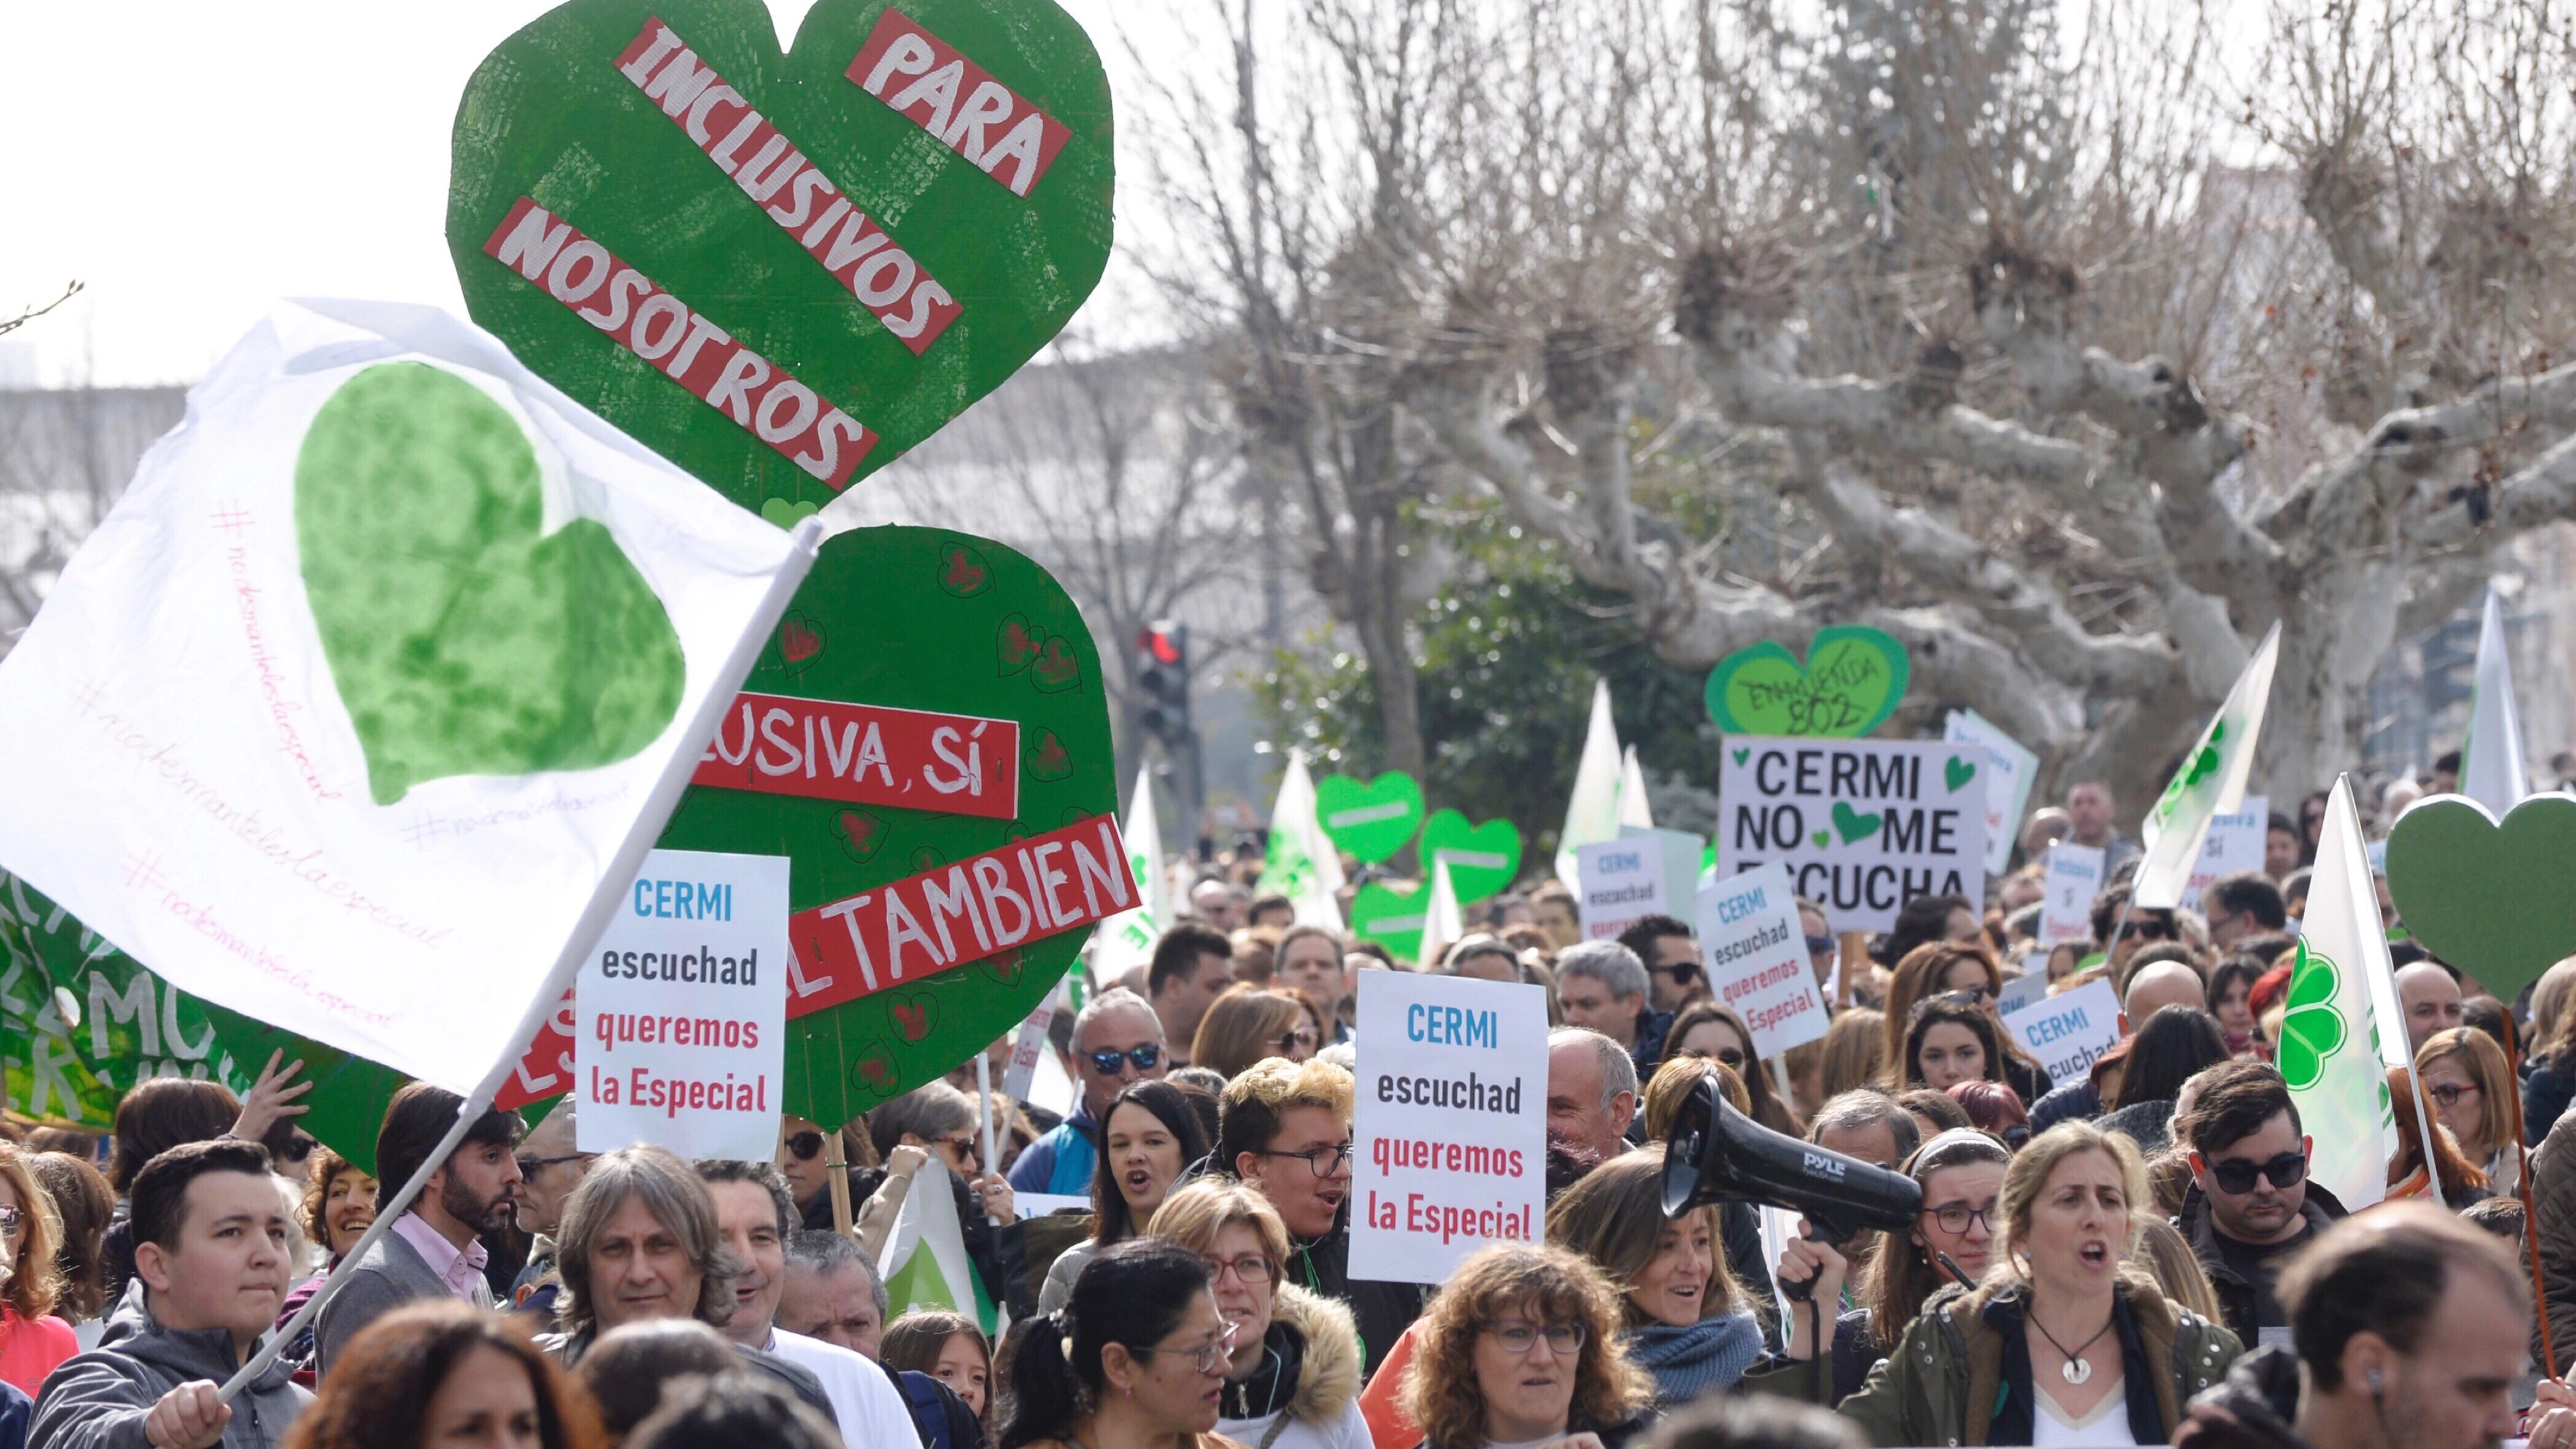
[
  {"x": 1851, "y": 682},
  {"x": 463, "y": 641},
  {"x": 1483, "y": 859},
  {"x": 780, "y": 272},
  {"x": 2497, "y": 900},
  {"x": 1390, "y": 917},
  {"x": 1372, "y": 820},
  {"x": 1855, "y": 825},
  {"x": 904, "y": 617}
]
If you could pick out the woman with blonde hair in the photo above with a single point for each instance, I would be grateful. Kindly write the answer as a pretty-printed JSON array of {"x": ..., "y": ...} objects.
[
  {"x": 1293, "y": 1380},
  {"x": 2161, "y": 1251},
  {"x": 1521, "y": 1347},
  {"x": 1855, "y": 1051},
  {"x": 1684, "y": 1319},
  {"x": 2062, "y": 1342},
  {"x": 2549, "y": 1057},
  {"x": 2466, "y": 1082},
  {"x": 32, "y": 1340},
  {"x": 1247, "y": 1024}
]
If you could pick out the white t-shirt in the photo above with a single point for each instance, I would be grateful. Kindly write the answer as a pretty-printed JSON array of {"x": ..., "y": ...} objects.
[
  {"x": 2107, "y": 1424},
  {"x": 871, "y": 1409},
  {"x": 1350, "y": 1431}
]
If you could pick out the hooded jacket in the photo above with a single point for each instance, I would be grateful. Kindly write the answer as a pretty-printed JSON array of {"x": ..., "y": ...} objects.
[
  {"x": 1379, "y": 1310},
  {"x": 98, "y": 1400},
  {"x": 1306, "y": 1393},
  {"x": 2240, "y": 1302}
]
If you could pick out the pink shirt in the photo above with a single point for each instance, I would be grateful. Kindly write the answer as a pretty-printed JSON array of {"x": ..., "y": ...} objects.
[
  {"x": 29, "y": 1351},
  {"x": 459, "y": 1271}
]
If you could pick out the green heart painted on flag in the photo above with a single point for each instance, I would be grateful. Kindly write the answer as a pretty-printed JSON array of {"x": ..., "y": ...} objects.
[
  {"x": 711, "y": 163},
  {"x": 1483, "y": 859},
  {"x": 2205, "y": 759},
  {"x": 1373, "y": 820},
  {"x": 464, "y": 641},
  {"x": 2496, "y": 900},
  {"x": 2311, "y": 1029},
  {"x": 1852, "y": 681},
  {"x": 1392, "y": 918},
  {"x": 1854, "y": 825}
]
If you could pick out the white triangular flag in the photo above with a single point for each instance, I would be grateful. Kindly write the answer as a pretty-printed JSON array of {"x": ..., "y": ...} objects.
[
  {"x": 1127, "y": 939},
  {"x": 2335, "y": 1045},
  {"x": 2492, "y": 771},
  {"x": 1301, "y": 863},
  {"x": 1442, "y": 922},
  {"x": 1592, "y": 811},
  {"x": 2210, "y": 782},
  {"x": 1633, "y": 809},
  {"x": 923, "y": 1264}
]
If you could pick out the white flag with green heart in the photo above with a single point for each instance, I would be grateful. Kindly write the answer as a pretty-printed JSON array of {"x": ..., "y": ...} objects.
[
  {"x": 344, "y": 715},
  {"x": 1592, "y": 811},
  {"x": 1301, "y": 863},
  {"x": 2332, "y": 1050},
  {"x": 924, "y": 1262},
  {"x": 1127, "y": 939},
  {"x": 2211, "y": 782}
]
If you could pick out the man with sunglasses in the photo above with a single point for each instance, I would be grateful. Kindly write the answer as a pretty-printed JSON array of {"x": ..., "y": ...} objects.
[
  {"x": 2251, "y": 1204},
  {"x": 551, "y": 1165},
  {"x": 1117, "y": 1040},
  {"x": 1675, "y": 976}
]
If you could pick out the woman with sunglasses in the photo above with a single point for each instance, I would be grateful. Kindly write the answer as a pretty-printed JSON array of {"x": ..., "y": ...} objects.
[
  {"x": 1248, "y": 1024},
  {"x": 1293, "y": 1381},
  {"x": 1965, "y": 970},
  {"x": 928, "y": 1141},
  {"x": 1961, "y": 1173},
  {"x": 1150, "y": 1133},
  {"x": 1521, "y": 1348},
  {"x": 1136, "y": 1360},
  {"x": 1712, "y": 1029},
  {"x": 2466, "y": 1079},
  {"x": 1683, "y": 1318}
]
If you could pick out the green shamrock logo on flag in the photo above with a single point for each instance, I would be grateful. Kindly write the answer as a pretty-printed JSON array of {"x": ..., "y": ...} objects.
[{"x": 2311, "y": 1030}]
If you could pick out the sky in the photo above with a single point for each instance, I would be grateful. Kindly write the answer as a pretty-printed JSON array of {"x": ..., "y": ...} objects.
[{"x": 192, "y": 162}]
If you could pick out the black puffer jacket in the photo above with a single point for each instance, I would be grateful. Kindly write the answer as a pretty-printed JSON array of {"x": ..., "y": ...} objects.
[{"x": 2256, "y": 1408}]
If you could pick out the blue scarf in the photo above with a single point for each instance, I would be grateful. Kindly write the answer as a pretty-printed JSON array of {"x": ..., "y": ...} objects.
[{"x": 1695, "y": 1359}]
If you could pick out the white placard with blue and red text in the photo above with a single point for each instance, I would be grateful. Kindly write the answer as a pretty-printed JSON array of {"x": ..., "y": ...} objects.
[
  {"x": 1862, "y": 826},
  {"x": 1756, "y": 950}
]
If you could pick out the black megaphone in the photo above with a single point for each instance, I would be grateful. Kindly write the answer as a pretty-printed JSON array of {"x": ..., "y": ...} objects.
[{"x": 1717, "y": 1154}]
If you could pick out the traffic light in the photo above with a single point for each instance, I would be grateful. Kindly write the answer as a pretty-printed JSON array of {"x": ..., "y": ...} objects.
[{"x": 1163, "y": 681}]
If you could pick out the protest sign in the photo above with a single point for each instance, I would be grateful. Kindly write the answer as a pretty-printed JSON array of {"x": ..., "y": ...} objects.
[
  {"x": 2073, "y": 879},
  {"x": 1756, "y": 950},
  {"x": 1850, "y": 684},
  {"x": 1449, "y": 1146},
  {"x": 1372, "y": 819},
  {"x": 1642, "y": 873},
  {"x": 1863, "y": 826},
  {"x": 2234, "y": 843},
  {"x": 2496, "y": 898},
  {"x": 759, "y": 264},
  {"x": 2012, "y": 772},
  {"x": 2068, "y": 1032},
  {"x": 944, "y": 624},
  {"x": 1393, "y": 918},
  {"x": 2027, "y": 989},
  {"x": 1127, "y": 939},
  {"x": 1483, "y": 859},
  {"x": 681, "y": 1009}
]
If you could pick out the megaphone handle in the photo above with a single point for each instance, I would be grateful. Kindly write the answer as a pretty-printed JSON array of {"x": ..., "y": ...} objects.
[{"x": 1804, "y": 1288}]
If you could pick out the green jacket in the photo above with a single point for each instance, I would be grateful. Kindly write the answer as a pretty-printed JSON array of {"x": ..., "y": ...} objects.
[{"x": 1944, "y": 1381}]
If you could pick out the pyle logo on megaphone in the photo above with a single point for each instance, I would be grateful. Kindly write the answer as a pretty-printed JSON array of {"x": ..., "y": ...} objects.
[{"x": 1823, "y": 1164}]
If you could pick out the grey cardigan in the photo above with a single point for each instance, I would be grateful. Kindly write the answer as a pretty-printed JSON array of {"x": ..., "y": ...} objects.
[{"x": 389, "y": 1275}]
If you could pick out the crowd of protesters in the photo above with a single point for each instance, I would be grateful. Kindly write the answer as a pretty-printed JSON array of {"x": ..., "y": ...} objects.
[{"x": 2138, "y": 1256}]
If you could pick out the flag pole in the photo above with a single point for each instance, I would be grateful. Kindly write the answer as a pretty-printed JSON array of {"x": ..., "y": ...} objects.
[
  {"x": 586, "y": 931},
  {"x": 984, "y": 1109}
]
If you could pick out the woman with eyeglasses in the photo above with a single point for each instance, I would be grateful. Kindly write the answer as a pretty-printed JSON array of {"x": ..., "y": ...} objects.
[
  {"x": 32, "y": 1341},
  {"x": 1149, "y": 1134},
  {"x": 1248, "y": 1024},
  {"x": 2466, "y": 1079},
  {"x": 1964, "y": 971},
  {"x": 1712, "y": 1029},
  {"x": 1136, "y": 1360},
  {"x": 1961, "y": 1173},
  {"x": 2463, "y": 1183},
  {"x": 1521, "y": 1347},
  {"x": 1293, "y": 1380},
  {"x": 1683, "y": 1318}
]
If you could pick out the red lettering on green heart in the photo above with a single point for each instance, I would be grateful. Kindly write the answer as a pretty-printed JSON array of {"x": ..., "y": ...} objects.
[
  {"x": 831, "y": 238},
  {"x": 798, "y": 639},
  {"x": 1483, "y": 859},
  {"x": 963, "y": 573},
  {"x": 2496, "y": 900},
  {"x": 1852, "y": 681},
  {"x": 1854, "y": 825},
  {"x": 463, "y": 641}
]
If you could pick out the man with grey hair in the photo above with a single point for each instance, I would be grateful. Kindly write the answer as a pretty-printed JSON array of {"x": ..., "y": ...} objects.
[
  {"x": 833, "y": 1293},
  {"x": 1591, "y": 1093},
  {"x": 551, "y": 1165},
  {"x": 1867, "y": 1124},
  {"x": 1602, "y": 985},
  {"x": 1117, "y": 1040}
]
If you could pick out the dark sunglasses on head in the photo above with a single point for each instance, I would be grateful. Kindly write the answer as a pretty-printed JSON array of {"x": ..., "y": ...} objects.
[
  {"x": 2235, "y": 1177},
  {"x": 1972, "y": 996},
  {"x": 1819, "y": 945},
  {"x": 1144, "y": 1059},
  {"x": 805, "y": 1145}
]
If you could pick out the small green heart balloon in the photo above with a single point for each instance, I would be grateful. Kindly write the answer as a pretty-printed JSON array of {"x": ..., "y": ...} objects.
[
  {"x": 463, "y": 641},
  {"x": 895, "y": 252},
  {"x": 1483, "y": 859},
  {"x": 1852, "y": 681},
  {"x": 906, "y": 618},
  {"x": 1372, "y": 820},
  {"x": 2497, "y": 900},
  {"x": 1392, "y": 918}
]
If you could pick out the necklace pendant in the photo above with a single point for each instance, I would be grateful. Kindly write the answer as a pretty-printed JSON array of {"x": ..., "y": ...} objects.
[{"x": 2076, "y": 1370}]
